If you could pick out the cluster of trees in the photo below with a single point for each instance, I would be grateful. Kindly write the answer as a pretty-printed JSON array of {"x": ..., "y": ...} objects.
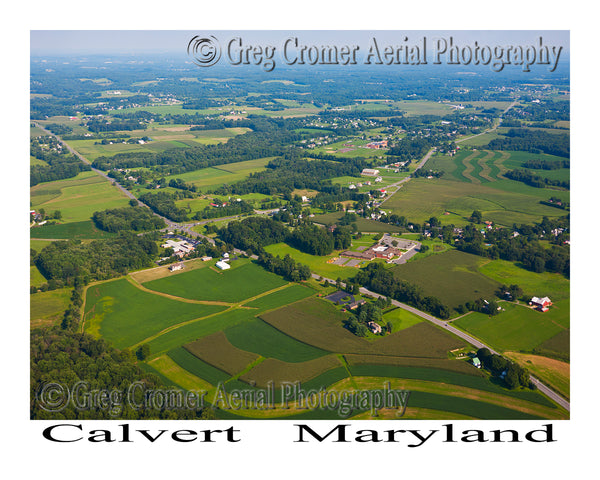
[
  {"x": 59, "y": 128},
  {"x": 127, "y": 218},
  {"x": 283, "y": 175},
  {"x": 66, "y": 357},
  {"x": 366, "y": 313},
  {"x": 163, "y": 203},
  {"x": 533, "y": 180},
  {"x": 546, "y": 164},
  {"x": 268, "y": 138},
  {"x": 410, "y": 148},
  {"x": 556, "y": 203},
  {"x": 97, "y": 260},
  {"x": 181, "y": 185},
  {"x": 514, "y": 375},
  {"x": 315, "y": 240},
  {"x": 234, "y": 208},
  {"x": 421, "y": 172},
  {"x": 534, "y": 141},
  {"x": 60, "y": 164},
  {"x": 287, "y": 267},
  {"x": 253, "y": 233},
  {"x": 375, "y": 277},
  {"x": 524, "y": 248},
  {"x": 97, "y": 125}
]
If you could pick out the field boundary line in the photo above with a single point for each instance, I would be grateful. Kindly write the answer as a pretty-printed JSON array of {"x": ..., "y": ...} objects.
[
  {"x": 178, "y": 325},
  {"x": 499, "y": 162},
  {"x": 485, "y": 168},
  {"x": 469, "y": 167},
  {"x": 135, "y": 283},
  {"x": 483, "y": 396}
]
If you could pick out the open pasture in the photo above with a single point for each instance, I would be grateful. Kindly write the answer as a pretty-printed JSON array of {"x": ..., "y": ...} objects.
[
  {"x": 126, "y": 315},
  {"x": 217, "y": 351},
  {"x": 77, "y": 198},
  {"x": 243, "y": 281},
  {"x": 452, "y": 276},
  {"x": 518, "y": 327}
]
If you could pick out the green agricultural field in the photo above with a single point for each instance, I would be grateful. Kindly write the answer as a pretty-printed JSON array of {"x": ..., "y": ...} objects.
[
  {"x": 504, "y": 201},
  {"x": 75, "y": 230},
  {"x": 401, "y": 319},
  {"x": 288, "y": 295},
  {"x": 77, "y": 198},
  {"x": 518, "y": 327},
  {"x": 278, "y": 372},
  {"x": 38, "y": 245},
  {"x": 35, "y": 277},
  {"x": 46, "y": 308},
  {"x": 210, "y": 178},
  {"x": 452, "y": 276},
  {"x": 317, "y": 322},
  {"x": 197, "y": 367},
  {"x": 317, "y": 264},
  {"x": 126, "y": 315},
  {"x": 244, "y": 280},
  {"x": 217, "y": 351},
  {"x": 547, "y": 284},
  {"x": 363, "y": 224},
  {"x": 259, "y": 337}
]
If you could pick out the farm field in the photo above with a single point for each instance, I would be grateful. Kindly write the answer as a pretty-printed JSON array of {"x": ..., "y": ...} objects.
[
  {"x": 85, "y": 229},
  {"x": 77, "y": 198},
  {"x": 46, "y": 308},
  {"x": 452, "y": 276},
  {"x": 285, "y": 333},
  {"x": 504, "y": 202},
  {"x": 554, "y": 373},
  {"x": 163, "y": 138},
  {"x": 316, "y": 263},
  {"x": 518, "y": 327},
  {"x": 126, "y": 315},
  {"x": 363, "y": 224},
  {"x": 227, "y": 286}
]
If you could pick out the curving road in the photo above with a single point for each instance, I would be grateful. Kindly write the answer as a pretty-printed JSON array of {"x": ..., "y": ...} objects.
[{"x": 468, "y": 338}]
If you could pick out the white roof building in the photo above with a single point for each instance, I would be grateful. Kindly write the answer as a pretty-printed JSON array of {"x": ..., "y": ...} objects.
[{"x": 223, "y": 265}]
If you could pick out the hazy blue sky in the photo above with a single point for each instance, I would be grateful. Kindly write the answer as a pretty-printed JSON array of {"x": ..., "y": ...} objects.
[{"x": 47, "y": 42}]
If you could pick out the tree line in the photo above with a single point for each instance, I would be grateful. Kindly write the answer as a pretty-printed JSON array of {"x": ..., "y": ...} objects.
[{"x": 135, "y": 218}]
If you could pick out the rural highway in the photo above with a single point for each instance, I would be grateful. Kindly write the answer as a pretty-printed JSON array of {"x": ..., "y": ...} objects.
[{"x": 459, "y": 333}]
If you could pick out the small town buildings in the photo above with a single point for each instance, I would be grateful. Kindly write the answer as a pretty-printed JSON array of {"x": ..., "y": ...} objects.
[{"x": 223, "y": 265}]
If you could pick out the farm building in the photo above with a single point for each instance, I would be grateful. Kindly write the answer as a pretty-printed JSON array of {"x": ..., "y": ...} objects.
[
  {"x": 205, "y": 259},
  {"x": 379, "y": 251},
  {"x": 374, "y": 327},
  {"x": 370, "y": 172},
  {"x": 175, "y": 267},
  {"x": 477, "y": 362},
  {"x": 541, "y": 304},
  {"x": 223, "y": 265}
]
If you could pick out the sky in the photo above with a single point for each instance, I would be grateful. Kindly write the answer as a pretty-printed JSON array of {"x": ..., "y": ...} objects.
[{"x": 68, "y": 42}]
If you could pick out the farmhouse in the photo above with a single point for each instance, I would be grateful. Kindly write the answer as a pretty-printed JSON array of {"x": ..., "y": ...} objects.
[
  {"x": 541, "y": 304},
  {"x": 223, "y": 265},
  {"x": 374, "y": 327}
]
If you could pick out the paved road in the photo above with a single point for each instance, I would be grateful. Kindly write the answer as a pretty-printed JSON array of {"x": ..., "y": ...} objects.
[
  {"x": 406, "y": 179},
  {"x": 468, "y": 338}
]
